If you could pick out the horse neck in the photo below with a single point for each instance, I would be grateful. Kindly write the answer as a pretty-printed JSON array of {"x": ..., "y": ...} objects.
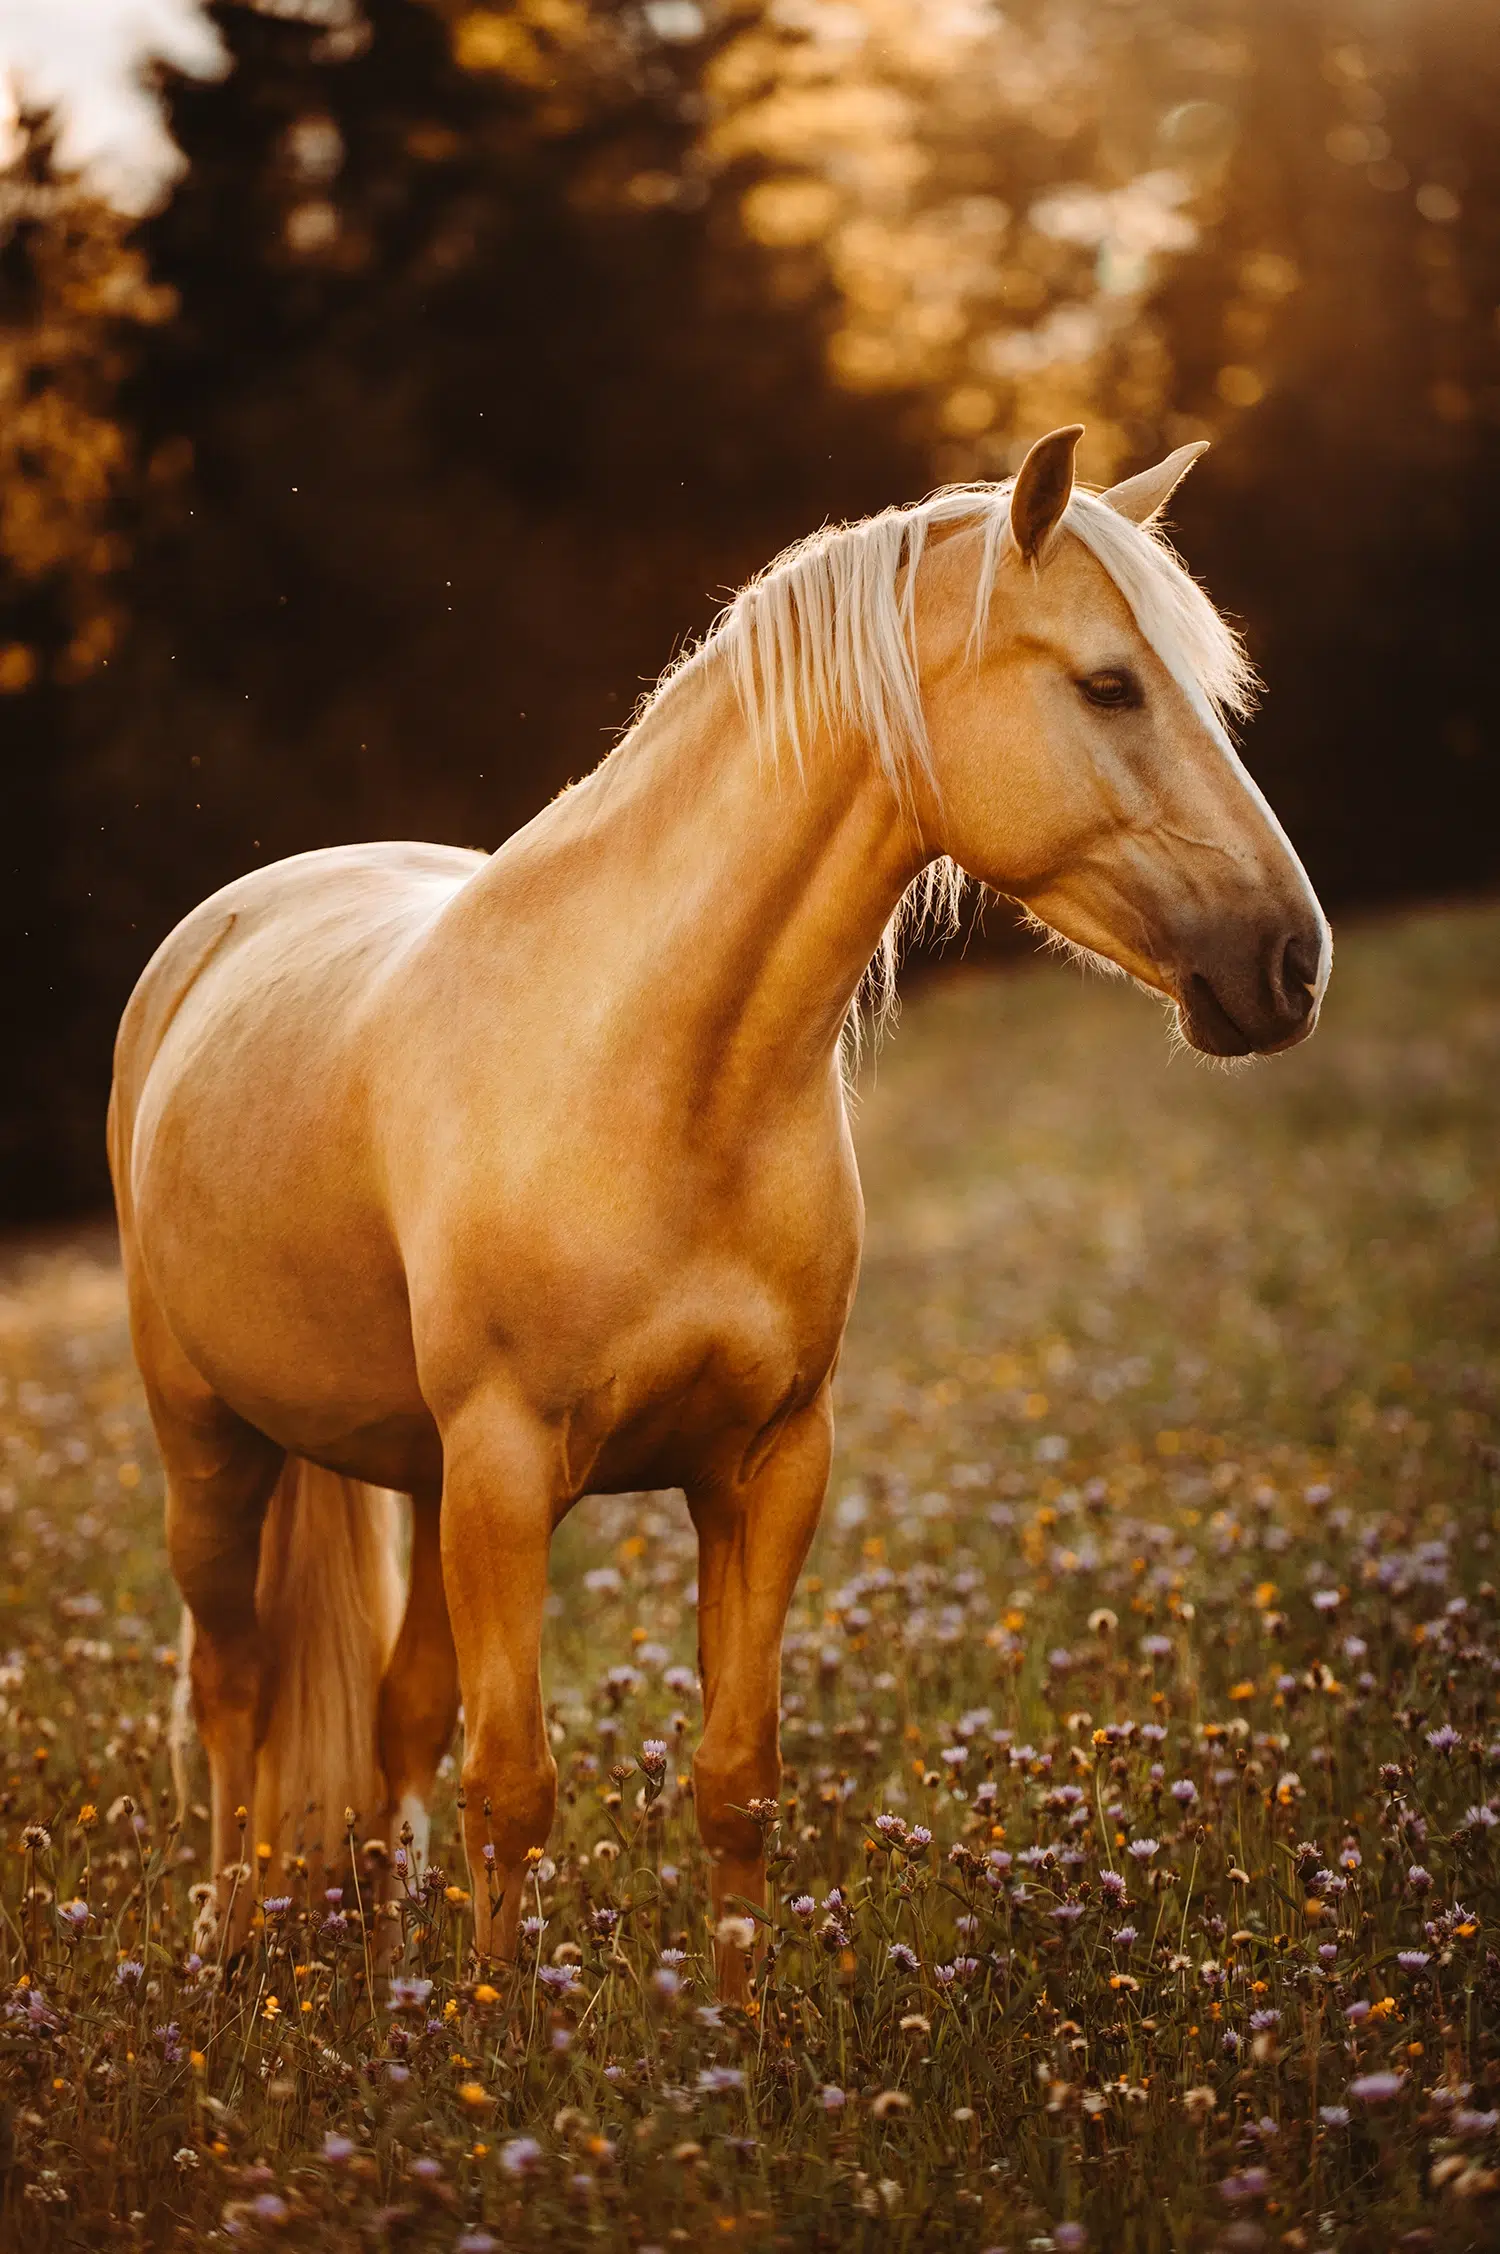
[{"x": 742, "y": 900}]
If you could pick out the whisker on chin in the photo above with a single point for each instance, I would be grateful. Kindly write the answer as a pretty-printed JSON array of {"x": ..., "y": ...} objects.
[
  {"x": 1071, "y": 950},
  {"x": 1179, "y": 1044}
]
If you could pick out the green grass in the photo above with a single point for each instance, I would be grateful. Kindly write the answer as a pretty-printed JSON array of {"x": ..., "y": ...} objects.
[{"x": 1167, "y": 1459}]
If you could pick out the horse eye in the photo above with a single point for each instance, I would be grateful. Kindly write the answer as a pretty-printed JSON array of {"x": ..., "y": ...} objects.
[{"x": 1113, "y": 689}]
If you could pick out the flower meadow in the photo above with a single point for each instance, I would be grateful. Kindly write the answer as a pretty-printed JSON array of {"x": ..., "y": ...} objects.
[{"x": 1134, "y": 1877}]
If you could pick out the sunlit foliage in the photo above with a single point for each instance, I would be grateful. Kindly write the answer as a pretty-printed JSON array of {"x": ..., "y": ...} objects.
[
  {"x": 74, "y": 291},
  {"x": 995, "y": 203},
  {"x": 992, "y": 193}
]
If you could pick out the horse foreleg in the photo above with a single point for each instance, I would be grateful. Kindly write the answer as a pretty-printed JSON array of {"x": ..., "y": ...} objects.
[
  {"x": 419, "y": 1694},
  {"x": 753, "y": 1538},
  {"x": 500, "y": 1489}
]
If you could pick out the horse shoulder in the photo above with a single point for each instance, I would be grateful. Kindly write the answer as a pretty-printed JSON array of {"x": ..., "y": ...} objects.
[{"x": 673, "y": 1303}]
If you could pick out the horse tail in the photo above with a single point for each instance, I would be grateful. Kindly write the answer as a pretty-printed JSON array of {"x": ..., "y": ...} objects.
[
  {"x": 180, "y": 1726},
  {"x": 328, "y": 1598}
]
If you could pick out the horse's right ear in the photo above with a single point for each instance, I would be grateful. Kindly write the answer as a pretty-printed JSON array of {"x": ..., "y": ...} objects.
[
  {"x": 1043, "y": 488},
  {"x": 1140, "y": 497}
]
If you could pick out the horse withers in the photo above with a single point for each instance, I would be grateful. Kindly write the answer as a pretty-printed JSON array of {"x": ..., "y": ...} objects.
[{"x": 494, "y": 1181}]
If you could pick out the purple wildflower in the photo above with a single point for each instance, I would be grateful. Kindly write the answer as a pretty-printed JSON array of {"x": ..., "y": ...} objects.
[
  {"x": 1376, "y": 2089},
  {"x": 409, "y": 1995},
  {"x": 520, "y": 2155}
]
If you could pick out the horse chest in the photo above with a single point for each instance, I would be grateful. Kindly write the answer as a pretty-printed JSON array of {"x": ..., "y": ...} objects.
[
  {"x": 698, "y": 1393},
  {"x": 668, "y": 1349}
]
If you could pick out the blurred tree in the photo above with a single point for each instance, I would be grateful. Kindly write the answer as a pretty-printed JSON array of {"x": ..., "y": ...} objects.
[
  {"x": 74, "y": 295},
  {"x": 75, "y": 300},
  {"x": 992, "y": 194},
  {"x": 1348, "y": 303}
]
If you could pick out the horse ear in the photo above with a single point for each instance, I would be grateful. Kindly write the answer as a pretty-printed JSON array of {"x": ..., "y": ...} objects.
[
  {"x": 1043, "y": 488},
  {"x": 1140, "y": 497}
]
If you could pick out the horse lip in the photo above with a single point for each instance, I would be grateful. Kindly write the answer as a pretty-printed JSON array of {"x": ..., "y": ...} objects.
[{"x": 1210, "y": 1024}]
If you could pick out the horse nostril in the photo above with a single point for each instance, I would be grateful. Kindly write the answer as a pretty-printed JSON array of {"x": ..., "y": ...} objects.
[{"x": 1300, "y": 963}]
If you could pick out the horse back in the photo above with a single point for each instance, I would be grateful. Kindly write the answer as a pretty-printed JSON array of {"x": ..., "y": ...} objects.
[{"x": 392, "y": 884}]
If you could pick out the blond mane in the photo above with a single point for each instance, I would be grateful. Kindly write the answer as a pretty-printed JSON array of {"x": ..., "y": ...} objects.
[{"x": 826, "y": 635}]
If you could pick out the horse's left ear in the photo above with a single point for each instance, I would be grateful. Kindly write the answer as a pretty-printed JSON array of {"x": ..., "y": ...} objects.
[
  {"x": 1140, "y": 497},
  {"x": 1043, "y": 488}
]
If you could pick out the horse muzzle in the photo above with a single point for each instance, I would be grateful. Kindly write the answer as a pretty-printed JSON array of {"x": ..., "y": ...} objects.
[{"x": 1255, "y": 999}]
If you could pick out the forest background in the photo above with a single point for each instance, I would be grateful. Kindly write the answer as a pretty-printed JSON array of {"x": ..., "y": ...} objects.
[{"x": 369, "y": 447}]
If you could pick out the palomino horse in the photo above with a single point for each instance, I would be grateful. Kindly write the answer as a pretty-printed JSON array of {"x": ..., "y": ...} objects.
[{"x": 492, "y": 1182}]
